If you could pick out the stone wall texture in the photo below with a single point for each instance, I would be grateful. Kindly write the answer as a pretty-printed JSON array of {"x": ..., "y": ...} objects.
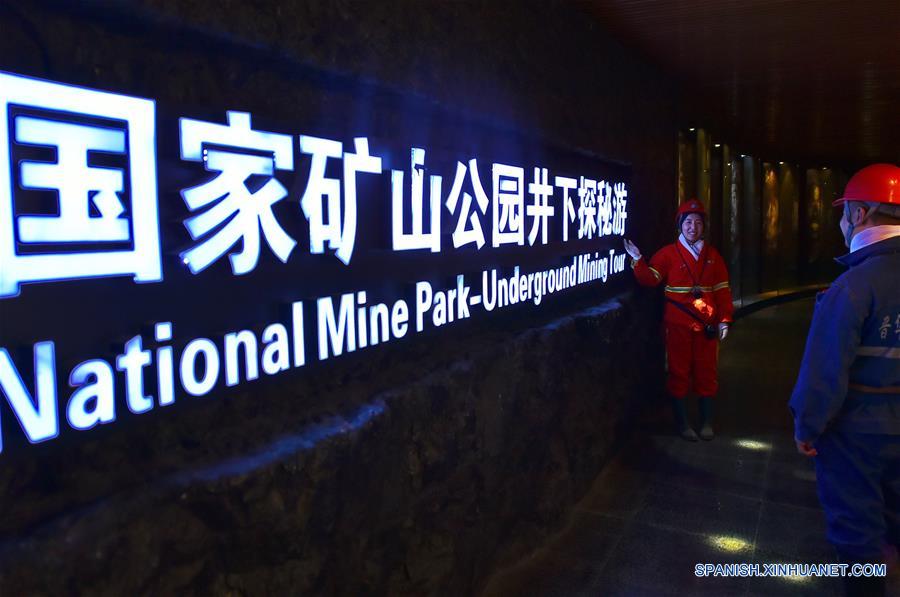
[
  {"x": 419, "y": 468},
  {"x": 423, "y": 488}
]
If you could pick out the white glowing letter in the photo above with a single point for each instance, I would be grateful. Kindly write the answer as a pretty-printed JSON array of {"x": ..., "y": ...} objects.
[
  {"x": 40, "y": 422},
  {"x": 333, "y": 331},
  {"x": 189, "y": 381},
  {"x": 94, "y": 401},
  {"x": 96, "y": 207},
  {"x": 233, "y": 342},
  {"x": 74, "y": 180},
  {"x": 234, "y": 214},
  {"x": 620, "y": 207},
  {"x": 568, "y": 210},
  {"x": 508, "y": 204},
  {"x": 473, "y": 234},
  {"x": 587, "y": 209},
  {"x": 541, "y": 210},
  {"x": 275, "y": 356},
  {"x": 604, "y": 208},
  {"x": 418, "y": 238},
  {"x": 335, "y": 221},
  {"x": 165, "y": 364},
  {"x": 132, "y": 363}
]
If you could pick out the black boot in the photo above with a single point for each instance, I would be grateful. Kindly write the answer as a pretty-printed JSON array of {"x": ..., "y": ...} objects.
[
  {"x": 681, "y": 421},
  {"x": 706, "y": 417}
]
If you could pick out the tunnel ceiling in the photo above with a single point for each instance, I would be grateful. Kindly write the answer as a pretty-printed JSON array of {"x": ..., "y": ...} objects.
[{"x": 815, "y": 81}]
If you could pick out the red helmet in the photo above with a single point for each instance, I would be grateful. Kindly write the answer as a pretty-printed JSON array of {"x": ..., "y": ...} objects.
[
  {"x": 691, "y": 206},
  {"x": 878, "y": 183}
]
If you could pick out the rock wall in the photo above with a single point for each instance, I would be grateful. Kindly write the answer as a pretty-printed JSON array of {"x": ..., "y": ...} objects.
[{"x": 423, "y": 488}]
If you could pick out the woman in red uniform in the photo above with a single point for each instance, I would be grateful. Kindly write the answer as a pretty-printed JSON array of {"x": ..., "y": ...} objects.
[{"x": 697, "y": 313}]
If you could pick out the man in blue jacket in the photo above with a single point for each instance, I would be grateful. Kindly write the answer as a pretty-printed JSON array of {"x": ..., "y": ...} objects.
[{"x": 846, "y": 403}]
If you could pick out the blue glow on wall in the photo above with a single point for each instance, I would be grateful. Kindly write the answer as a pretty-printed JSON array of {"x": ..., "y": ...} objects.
[{"x": 80, "y": 199}]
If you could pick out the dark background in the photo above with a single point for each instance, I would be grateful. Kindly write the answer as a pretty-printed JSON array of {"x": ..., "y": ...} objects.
[{"x": 414, "y": 468}]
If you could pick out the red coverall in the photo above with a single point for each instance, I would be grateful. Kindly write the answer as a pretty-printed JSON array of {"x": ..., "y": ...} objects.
[{"x": 691, "y": 355}]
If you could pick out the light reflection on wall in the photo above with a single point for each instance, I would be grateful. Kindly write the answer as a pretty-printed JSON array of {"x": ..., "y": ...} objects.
[
  {"x": 734, "y": 200},
  {"x": 814, "y": 215},
  {"x": 788, "y": 225},
  {"x": 822, "y": 234},
  {"x": 788, "y": 194},
  {"x": 770, "y": 208},
  {"x": 284, "y": 447}
]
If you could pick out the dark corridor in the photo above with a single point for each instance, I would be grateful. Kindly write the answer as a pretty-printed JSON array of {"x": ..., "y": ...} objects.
[{"x": 664, "y": 505}]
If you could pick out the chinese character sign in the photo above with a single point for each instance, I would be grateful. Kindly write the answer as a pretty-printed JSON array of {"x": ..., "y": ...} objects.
[
  {"x": 236, "y": 202},
  {"x": 258, "y": 245},
  {"x": 110, "y": 212},
  {"x": 418, "y": 237},
  {"x": 335, "y": 221},
  {"x": 468, "y": 229},
  {"x": 233, "y": 213},
  {"x": 508, "y": 205}
]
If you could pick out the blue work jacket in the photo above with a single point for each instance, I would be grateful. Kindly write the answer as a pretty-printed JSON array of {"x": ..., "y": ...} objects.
[{"x": 850, "y": 374}]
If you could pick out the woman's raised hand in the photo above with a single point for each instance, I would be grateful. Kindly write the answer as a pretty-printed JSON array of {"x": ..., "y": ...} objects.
[{"x": 632, "y": 249}]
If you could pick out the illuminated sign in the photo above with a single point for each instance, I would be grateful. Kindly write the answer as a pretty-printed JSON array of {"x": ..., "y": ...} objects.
[
  {"x": 78, "y": 185},
  {"x": 83, "y": 196}
]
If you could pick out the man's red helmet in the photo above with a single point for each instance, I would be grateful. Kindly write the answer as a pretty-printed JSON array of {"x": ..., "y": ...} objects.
[{"x": 878, "y": 183}]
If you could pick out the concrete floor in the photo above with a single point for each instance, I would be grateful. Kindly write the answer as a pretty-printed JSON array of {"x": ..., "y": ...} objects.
[{"x": 663, "y": 504}]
